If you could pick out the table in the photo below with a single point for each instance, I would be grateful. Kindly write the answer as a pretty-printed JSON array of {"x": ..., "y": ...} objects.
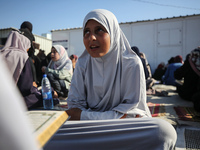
[{"x": 45, "y": 123}]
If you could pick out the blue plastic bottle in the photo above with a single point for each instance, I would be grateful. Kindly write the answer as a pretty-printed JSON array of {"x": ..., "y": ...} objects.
[{"x": 46, "y": 93}]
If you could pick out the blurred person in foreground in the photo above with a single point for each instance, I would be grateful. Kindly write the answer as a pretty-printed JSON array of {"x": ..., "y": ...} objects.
[{"x": 15, "y": 129}]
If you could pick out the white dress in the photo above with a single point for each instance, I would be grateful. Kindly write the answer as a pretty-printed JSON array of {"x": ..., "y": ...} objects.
[{"x": 115, "y": 134}]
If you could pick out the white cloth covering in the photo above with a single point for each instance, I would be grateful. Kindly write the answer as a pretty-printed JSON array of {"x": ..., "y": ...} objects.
[
  {"x": 110, "y": 86},
  {"x": 15, "y": 130},
  {"x": 124, "y": 134}
]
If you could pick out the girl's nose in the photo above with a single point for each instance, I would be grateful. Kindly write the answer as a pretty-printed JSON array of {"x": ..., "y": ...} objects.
[{"x": 92, "y": 37}]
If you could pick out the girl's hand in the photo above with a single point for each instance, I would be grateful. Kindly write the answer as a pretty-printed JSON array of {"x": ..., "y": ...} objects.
[
  {"x": 55, "y": 94},
  {"x": 124, "y": 116},
  {"x": 34, "y": 84},
  {"x": 75, "y": 113}
]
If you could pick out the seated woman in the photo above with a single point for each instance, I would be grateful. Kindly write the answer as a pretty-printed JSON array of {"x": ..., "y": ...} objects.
[
  {"x": 59, "y": 71},
  {"x": 26, "y": 25},
  {"x": 16, "y": 57},
  {"x": 190, "y": 71},
  {"x": 168, "y": 77},
  {"x": 159, "y": 72},
  {"x": 108, "y": 84}
]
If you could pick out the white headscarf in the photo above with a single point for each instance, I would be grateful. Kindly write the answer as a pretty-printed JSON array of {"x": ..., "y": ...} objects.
[
  {"x": 63, "y": 62},
  {"x": 113, "y": 82},
  {"x": 15, "y": 53}
]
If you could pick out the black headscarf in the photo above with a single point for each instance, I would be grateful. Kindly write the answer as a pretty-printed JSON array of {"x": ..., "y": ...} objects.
[
  {"x": 28, "y": 25},
  {"x": 136, "y": 50}
]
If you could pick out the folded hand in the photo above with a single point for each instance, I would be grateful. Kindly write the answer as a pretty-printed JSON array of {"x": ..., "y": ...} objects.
[{"x": 75, "y": 113}]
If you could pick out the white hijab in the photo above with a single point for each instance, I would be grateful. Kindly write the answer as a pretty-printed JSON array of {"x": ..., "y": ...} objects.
[
  {"x": 15, "y": 53},
  {"x": 113, "y": 82},
  {"x": 63, "y": 62}
]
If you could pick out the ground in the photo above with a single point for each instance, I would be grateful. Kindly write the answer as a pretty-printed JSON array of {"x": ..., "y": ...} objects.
[{"x": 188, "y": 132}]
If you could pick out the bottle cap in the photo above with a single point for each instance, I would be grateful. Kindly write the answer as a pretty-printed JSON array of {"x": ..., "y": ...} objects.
[{"x": 44, "y": 75}]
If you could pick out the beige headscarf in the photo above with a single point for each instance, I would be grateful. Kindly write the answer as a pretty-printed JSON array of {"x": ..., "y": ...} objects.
[
  {"x": 114, "y": 82},
  {"x": 15, "y": 53}
]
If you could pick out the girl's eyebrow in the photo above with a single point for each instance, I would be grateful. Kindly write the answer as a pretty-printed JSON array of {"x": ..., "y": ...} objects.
[
  {"x": 98, "y": 26},
  {"x": 86, "y": 28}
]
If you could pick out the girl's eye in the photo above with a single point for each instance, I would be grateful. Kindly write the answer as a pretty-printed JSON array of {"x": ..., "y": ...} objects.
[
  {"x": 54, "y": 51},
  {"x": 86, "y": 32},
  {"x": 100, "y": 29}
]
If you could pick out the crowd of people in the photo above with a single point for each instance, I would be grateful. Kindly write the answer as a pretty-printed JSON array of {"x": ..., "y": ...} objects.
[
  {"x": 28, "y": 69},
  {"x": 108, "y": 82},
  {"x": 184, "y": 75}
]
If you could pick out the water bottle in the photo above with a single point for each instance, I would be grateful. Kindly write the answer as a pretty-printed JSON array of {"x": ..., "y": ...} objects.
[{"x": 46, "y": 93}]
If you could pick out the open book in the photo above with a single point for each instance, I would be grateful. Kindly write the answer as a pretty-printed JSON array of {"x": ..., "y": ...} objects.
[{"x": 45, "y": 123}]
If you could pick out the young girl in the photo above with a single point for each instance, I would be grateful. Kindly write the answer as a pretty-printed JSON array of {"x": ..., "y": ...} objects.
[
  {"x": 59, "y": 71},
  {"x": 109, "y": 84}
]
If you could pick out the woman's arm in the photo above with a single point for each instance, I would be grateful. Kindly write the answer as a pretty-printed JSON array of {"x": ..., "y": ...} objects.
[
  {"x": 78, "y": 114},
  {"x": 62, "y": 74},
  {"x": 94, "y": 115}
]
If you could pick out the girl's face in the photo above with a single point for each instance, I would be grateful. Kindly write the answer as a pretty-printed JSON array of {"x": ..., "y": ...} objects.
[
  {"x": 96, "y": 39},
  {"x": 54, "y": 54}
]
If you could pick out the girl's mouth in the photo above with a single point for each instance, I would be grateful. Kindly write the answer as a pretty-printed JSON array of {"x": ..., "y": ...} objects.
[{"x": 94, "y": 47}]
